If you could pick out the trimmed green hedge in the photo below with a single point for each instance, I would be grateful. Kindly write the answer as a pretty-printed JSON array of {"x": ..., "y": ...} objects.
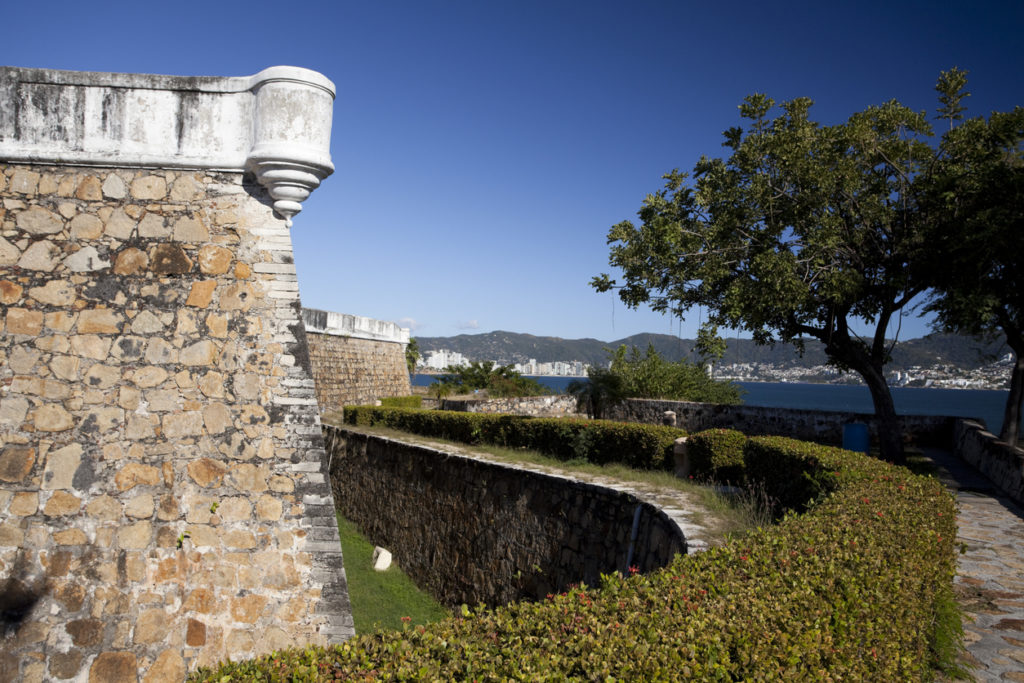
[
  {"x": 717, "y": 454},
  {"x": 598, "y": 441},
  {"x": 402, "y": 402},
  {"x": 848, "y": 591}
]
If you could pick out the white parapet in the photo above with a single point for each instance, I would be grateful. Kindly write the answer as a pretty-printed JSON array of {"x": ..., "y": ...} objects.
[
  {"x": 356, "y": 326},
  {"x": 276, "y": 124}
]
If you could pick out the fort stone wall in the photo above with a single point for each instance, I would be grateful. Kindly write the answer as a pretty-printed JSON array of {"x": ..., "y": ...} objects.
[
  {"x": 355, "y": 360},
  {"x": 163, "y": 498},
  {"x": 821, "y": 426},
  {"x": 472, "y": 531}
]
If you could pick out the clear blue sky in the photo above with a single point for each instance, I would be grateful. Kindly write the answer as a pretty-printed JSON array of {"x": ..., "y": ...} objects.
[{"x": 483, "y": 148}]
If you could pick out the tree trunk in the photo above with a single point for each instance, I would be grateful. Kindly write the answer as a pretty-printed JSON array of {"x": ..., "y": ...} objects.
[
  {"x": 1011, "y": 416},
  {"x": 890, "y": 433}
]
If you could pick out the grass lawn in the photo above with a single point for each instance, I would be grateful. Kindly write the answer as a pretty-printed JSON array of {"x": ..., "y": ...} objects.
[{"x": 380, "y": 599}]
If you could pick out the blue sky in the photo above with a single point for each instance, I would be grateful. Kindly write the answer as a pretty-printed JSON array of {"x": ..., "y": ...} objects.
[{"x": 483, "y": 149}]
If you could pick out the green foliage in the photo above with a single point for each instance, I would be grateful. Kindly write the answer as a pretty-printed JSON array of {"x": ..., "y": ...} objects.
[
  {"x": 710, "y": 346},
  {"x": 601, "y": 390},
  {"x": 651, "y": 376},
  {"x": 412, "y": 354},
  {"x": 595, "y": 441},
  {"x": 801, "y": 231},
  {"x": 380, "y": 600},
  {"x": 975, "y": 242},
  {"x": 717, "y": 454},
  {"x": 402, "y": 401},
  {"x": 498, "y": 381},
  {"x": 845, "y": 592}
]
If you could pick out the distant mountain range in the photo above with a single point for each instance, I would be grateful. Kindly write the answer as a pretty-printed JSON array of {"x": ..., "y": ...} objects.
[{"x": 963, "y": 352}]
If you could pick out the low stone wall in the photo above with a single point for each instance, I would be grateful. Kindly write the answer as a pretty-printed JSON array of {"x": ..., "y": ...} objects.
[
  {"x": 810, "y": 425},
  {"x": 534, "y": 406},
  {"x": 355, "y": 360},
  {"x": 471, "y": 531},
  {"x": 996, "y": 459}
]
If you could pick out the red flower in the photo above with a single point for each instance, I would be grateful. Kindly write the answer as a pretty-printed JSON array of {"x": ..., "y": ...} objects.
[{"x": 634, "y": 569}]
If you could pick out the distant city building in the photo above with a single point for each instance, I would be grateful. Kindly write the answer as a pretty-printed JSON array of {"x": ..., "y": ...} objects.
[{"x": 439, "y": 360}]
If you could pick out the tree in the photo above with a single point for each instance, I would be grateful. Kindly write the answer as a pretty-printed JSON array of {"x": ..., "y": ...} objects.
[
  {"x": 803, "y": 230},
  {"x": 496, "y": 380},
  {"x": 975, "y": 255},
  {"x": 412, "y": 355},
  {"x": 651, "y": 376},
  {"x": 601, "y": 390},
  {"x": 710, "y": 346}
]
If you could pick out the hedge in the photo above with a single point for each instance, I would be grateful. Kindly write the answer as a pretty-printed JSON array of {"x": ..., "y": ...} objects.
[
  {"x": 717, "y": 454},
  {"x": 402, "y": 401},
  {"x": 847, "y": 591},
  {"x": 598, "y": 441}
]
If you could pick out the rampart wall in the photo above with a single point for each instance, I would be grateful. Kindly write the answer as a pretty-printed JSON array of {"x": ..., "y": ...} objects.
[
  {"x": 534, "y": 406},
  {"x": 968, "y": 438},
  {"x": 997, "y": 460},
  {"x": 471, "y": 531},
  {"x": 355, "y": 360},
  {"x": 810, "y": 425},
  {"x": 163, "y": 498}
]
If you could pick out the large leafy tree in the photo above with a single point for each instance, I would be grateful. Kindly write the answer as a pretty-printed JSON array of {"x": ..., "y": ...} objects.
[
  {"x": 802, "y": 231},
  {"x": 975, "y": 259}
]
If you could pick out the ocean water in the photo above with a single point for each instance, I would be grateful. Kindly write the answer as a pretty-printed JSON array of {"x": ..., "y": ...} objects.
[{"x": 978, "y": 403}]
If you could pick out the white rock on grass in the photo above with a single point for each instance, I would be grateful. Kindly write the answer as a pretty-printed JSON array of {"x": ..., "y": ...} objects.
[{"x": 381, "y": 559}]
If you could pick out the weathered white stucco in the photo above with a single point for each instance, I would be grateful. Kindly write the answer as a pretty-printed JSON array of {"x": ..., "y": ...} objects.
[{"x": 276, "y": 124}]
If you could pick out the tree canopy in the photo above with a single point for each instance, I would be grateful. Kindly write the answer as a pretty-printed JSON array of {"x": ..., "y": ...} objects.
[
  {"x": 975, "y": 237},
  {"x": 802, "y": 231},
  {"x": 412, "y": 354}
]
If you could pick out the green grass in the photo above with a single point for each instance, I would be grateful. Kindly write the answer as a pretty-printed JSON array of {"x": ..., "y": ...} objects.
[{"x": 381, "y": 599}]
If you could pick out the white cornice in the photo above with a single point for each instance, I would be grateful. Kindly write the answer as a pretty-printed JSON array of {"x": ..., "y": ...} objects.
[{"x": 276, "y": 124}]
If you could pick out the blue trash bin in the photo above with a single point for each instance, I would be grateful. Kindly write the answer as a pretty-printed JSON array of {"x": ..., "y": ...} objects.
[{"x": 856, "y": 438}]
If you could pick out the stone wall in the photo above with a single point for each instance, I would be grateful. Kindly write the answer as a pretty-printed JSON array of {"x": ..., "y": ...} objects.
[
  {"x": 810, "y": 425},
  {"x": 534, "y": 406},
  {"x": 163, "y": 500},
  {"x": 355, "y": 360},
  {"x": 996, "y": 459},
  {"x": 471, "y": 531}
]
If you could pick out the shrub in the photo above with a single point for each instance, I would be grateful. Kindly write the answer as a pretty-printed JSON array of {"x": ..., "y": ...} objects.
[
  {"x": 793, "y": 471},
  {"x": 847, "y": 591},
  {"x": 597, "y": 441},
  {"x": 651, "y": 376},
  {"x": 717, "y": 454},
  {"x": 402, "y": 402},
  {"x": 499, "y": 381}
]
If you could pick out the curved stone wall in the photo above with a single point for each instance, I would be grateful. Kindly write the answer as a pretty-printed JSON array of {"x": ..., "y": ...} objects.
[{"x": 471, "y": 531}]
